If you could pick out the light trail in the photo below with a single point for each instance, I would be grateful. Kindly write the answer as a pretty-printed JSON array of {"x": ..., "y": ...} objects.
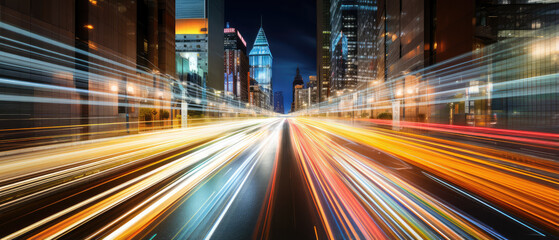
[
  {"x": 371, "y": 179},
  {"x": 524, "y": 188},
  {"x": 515, "y": 71},
  {"x": 47, "y": 73},
  {"x": 367, "y": 201},
  {"x": 204, "y": 161}
]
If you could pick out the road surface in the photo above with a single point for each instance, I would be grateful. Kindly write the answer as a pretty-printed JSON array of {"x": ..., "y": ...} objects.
[{"x": 287, "y": 178}]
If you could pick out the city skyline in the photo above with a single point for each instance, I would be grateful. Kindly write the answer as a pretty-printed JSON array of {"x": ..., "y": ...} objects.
[{"x": 290, "y": 32}]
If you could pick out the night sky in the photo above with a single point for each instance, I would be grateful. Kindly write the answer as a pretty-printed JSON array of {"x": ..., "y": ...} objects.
[{"x": 290, "y": 26}]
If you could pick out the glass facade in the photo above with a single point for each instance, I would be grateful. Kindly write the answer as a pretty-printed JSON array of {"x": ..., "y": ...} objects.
[
  {"x": 260, "y": 58},
  {"x": 352, "y": 22},
  {"x": 323, "y": 48},
  {"x": 236, "y": 65},
  {"x": 190, "y": 9}
]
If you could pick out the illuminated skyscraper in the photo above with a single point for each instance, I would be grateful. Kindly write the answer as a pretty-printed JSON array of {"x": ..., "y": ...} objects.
[
  {"x": 323, "y": 48},
  {"x": 278, "y": 102},
  {"x": 351, "y": 24},
  {"x": 236, "y": 64},
  {"x": 260, "y": 58},
  {"x": 199, "y": 40}
]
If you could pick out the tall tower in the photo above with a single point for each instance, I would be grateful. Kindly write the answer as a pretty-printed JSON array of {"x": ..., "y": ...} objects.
[
  {"x": 351, "y": 24},
  {"x": 236, "y": 64},
  {"x": 260, "y": 58},
  {"x": 297, "y": 83},
  {"x": 323, "y": 48}
]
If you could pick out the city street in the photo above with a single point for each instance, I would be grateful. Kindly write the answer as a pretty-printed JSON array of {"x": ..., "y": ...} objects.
[
  {"x": 286, "y": 178},
  {"x": 292, "y": 119}
]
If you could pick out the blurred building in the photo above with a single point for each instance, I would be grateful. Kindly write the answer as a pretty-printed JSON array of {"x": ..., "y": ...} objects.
[
  {"x": 297, "y": 84},
  {"x": 412, "y": 35},
  {"x": 260, "y": 58},
  {"x": 278, "y": 102},
  {"x": 236, "y": 64},
  {"x": 351, "y": 41},
  {"x": 117, "y": 54},
  {"x": 527, "y": 104},
  {"x": 405, "y": 44},
  {"x": 323, "y": 48}
]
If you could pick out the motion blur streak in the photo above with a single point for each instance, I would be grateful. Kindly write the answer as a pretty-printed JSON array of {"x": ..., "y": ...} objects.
[
  {"x": 352, "y": 189},
  {"x": 28, "y": 175},
  {"x": 361, "y": 199}
]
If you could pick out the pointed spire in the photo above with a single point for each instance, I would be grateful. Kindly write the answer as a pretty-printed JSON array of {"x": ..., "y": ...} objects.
[{"x": 260, "y": 46}]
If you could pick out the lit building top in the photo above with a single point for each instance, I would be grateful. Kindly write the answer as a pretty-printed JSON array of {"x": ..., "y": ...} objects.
[
  {"x": 261, "y": 46},
  {"x": 191, "y": 26},
  {"x": 261, "y": 61}
]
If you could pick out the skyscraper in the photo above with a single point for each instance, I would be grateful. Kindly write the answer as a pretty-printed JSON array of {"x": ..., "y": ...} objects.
[
  {"x": 199, "y": 29},
  {"x": 297, "y": 84},
  {"x": 260, "y": 58},
  {"x": 350, "y": 40},
  {"x": 278, "y": 102},
  {"x": 236, "y": 64},
  {"x": 323, "y": 48}
]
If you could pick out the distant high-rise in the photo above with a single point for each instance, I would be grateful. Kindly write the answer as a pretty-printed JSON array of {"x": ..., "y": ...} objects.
[
  {"x": 236, "y": 64},
  {"x": 278, "y": 102},
  {"x": 312, "y": 85},
  {"x": 297, "y": 83},
  {"x": 260, "y": 58},
  {"x": 323, "y": 48}
]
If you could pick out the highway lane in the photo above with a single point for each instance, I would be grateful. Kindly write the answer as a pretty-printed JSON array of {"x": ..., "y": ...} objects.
[
  {"x": 294, "y": 178},
  {"x": 228, "y": 204},
  {"x": 450, "y": 188},
  {"x": 100, "y": 188}
]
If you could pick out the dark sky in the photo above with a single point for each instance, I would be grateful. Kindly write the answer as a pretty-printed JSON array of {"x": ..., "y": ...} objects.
[{"x": 290, "y": 26}]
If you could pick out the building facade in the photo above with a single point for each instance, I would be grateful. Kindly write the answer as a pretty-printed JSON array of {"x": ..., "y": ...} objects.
[
  {"x": 257, "y": 97},
  {"x": 125, "y": 55},
  {"x": 351, "y": 41},
  {"x": 297, "y": 84},
  {"x": 323, "y": 48},
  {"x": 236, "y": 65},
  {"x": 301, "y": 101},
  {"x": 278, "y": 102},
  {"x": 260, "y": 58},
  {"x": 199, "y": 38},
  {"x": 314, "y": 89},
  {"x": 418, "y": 41},
  {"x": 192, "y": 55}
]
